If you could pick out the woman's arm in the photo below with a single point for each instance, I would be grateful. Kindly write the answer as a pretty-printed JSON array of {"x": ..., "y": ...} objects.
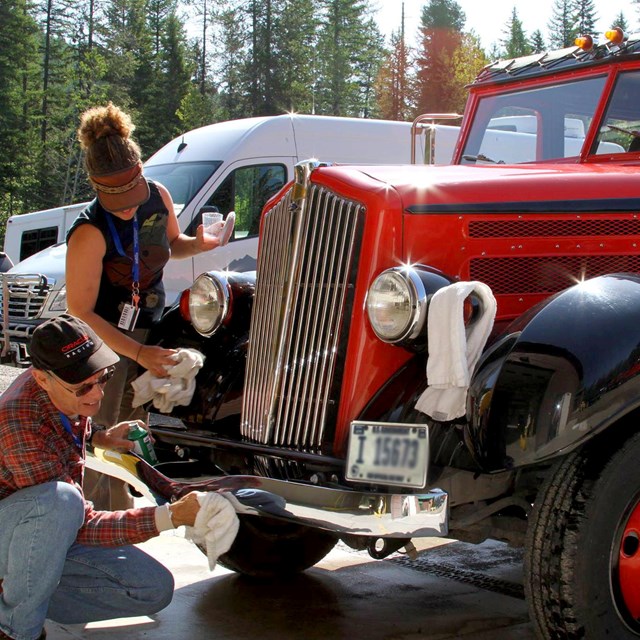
[
  {"x": 184, "y": 246},
  {"x": 85, "y": 253}
]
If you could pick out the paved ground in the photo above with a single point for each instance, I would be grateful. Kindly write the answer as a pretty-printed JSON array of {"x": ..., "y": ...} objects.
[
  {"x": 347, "y": 596},
  {"x": 452, "y": 591}
]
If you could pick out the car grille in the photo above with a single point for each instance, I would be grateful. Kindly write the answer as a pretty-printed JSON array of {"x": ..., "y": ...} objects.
[
  {"x": 306, "y": 271},
  {"x": 24, "y": 296}
]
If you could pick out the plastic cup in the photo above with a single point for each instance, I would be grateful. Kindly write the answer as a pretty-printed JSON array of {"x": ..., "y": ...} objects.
[{"x": 212, "y": 223}]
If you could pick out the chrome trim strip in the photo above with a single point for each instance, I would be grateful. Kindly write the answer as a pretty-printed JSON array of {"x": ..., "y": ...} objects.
[
  {"x": 358, "y": 513},
  {"x": 340, "y": 511}
]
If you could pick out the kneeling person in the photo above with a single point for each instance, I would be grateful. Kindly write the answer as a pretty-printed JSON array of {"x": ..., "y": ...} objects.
[{"x": 59, "y": 557}]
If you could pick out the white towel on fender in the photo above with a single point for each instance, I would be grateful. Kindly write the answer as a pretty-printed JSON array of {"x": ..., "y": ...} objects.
[
  {"x": 216, "y": 525},
  {"x": 454, "y": 350},
  {"x": 176, "y": 389}
]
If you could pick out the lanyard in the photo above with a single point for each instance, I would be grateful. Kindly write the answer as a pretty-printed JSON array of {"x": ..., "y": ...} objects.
[
  {"x": 67, "y": 427},
  {"x": 135, "y": 267}
]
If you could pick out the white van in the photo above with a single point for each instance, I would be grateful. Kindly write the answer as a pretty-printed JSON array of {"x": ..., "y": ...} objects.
[{"x": 234, "y": 166}]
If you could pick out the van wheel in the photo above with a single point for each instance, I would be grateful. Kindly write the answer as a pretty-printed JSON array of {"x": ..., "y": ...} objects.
[
  {"x": 582, "y": 561},
  {"x": 266, "y": 547}
]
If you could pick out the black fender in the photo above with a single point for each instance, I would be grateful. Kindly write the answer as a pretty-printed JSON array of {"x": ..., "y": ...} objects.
[
  {"x": 396, "y": 401},
  {"x": 563, "y": 372},
  {"x": 217, "y": 401}
]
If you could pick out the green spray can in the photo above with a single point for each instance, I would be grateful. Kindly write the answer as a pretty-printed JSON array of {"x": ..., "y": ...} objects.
[{"x": 142, "y": 443}]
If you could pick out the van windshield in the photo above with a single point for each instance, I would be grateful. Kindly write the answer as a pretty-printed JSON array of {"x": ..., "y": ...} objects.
[{"x": 183, "y": 180}]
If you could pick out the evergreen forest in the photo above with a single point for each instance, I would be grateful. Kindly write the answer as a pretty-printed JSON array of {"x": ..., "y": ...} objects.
[{"x": 175, "y": 65}]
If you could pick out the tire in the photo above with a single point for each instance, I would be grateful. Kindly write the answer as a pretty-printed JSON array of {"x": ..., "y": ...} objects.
[
  {"x": 266, "y": 547},
  {"x": 582, "y": 544}
]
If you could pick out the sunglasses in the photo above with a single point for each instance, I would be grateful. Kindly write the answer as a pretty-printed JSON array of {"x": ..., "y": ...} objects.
[{"x": 86, "y": 388}]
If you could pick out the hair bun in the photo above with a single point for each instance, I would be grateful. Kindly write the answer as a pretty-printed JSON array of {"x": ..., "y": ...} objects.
[{"x": 101, "y": 122}]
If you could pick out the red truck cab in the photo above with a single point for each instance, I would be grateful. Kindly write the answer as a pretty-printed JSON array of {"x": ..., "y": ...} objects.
[{"x": 315, "y": 366}]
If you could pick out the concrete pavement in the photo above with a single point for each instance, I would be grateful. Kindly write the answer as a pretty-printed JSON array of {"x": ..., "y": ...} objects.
[{"x": 346, "y": 596}]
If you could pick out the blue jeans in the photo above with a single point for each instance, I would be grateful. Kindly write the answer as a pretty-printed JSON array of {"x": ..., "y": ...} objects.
[{"x": 46, "y": 574}]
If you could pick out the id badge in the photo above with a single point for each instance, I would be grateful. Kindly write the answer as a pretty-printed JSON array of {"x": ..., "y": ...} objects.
[{"x": 128, "y": 317}]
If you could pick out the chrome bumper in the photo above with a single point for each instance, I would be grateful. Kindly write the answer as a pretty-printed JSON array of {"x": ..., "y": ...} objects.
[{"x": 343, "y": 512}]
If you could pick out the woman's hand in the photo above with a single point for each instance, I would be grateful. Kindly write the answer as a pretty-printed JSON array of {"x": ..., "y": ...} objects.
[
  {"x": 205, "y": 241},
  {"x": 155, "y": 359}
]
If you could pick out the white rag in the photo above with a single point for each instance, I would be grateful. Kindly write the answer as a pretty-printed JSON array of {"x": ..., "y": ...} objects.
[
  {"x": 454, "y": 351},
  {"x": 216, "y": 525},
  {"x": 176, "y": 389}
]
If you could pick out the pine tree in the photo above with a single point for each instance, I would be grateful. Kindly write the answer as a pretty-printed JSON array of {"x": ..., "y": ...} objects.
[
  {"x": 233, "y": 68},
  {"x": 174, "y": 74},
  {"x": 260, "y": 62},
  {"x": 515, "y": 44},
  {"x": 395, "y": 84},
  {"x": 127, "y": 43},
  {"x": 205, "y": 11},
  {"x": 58, "y": 94},
  {"x": 347, "y": 37},
  {"x": 18, "y": 135},
  {"x": 537, "y": 43},
  {"x": 86, "y": 88},
  {"x": 296, "y": 38},
  {"x": 562, "y": 28},
  {"x": 621, "y": 22},
  {"x": 369, "y": 48},
  {"x": 468, "y": 59},
  {"x": 585, "y": 17},
  {"x": 441, "y": 25},
  {"x": 89, "y": 56}
]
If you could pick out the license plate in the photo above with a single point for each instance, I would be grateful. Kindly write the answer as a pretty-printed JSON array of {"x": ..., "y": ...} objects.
[{"x": 388, "y": 453}]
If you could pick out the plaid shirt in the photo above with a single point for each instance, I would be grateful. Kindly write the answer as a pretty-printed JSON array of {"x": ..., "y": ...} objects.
[{"x": 35, "y": 448}]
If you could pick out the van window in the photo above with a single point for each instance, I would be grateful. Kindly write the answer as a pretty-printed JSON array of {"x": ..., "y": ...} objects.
[
  {"x": 36, "y": 240},
  {"x": 245, "y": 191},
  {"x": 182, "y": 179}
]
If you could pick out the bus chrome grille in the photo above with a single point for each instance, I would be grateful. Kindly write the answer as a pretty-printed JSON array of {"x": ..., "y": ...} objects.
[{"x": 305, "y": 279}]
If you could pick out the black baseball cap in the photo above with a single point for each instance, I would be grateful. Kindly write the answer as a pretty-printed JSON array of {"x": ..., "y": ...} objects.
[{"x": 70, "y": 348}]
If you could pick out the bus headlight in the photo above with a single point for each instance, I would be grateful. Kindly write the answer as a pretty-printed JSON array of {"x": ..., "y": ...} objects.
[
  {"x": 397, "y": 304},
  {"x": 209, "y": 302}
]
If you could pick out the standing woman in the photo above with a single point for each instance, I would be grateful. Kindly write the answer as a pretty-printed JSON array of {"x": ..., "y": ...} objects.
[{"x": 117, "y": 249}]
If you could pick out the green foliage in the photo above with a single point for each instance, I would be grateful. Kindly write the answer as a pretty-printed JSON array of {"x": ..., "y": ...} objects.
[
  {"x": 239, "y": 58},
  {"x": 468, "y": 59},
  {"x": 562, "y": 26},
  {"x": 515, "y": 44},
  {"x": 349, "y": 53},
  {"x": 621, "y": 21},
  {"x": 396, "y": 83},
  {"x": 537, "y": 43},
  {"x": 19, "y": 97},
  {"x": 441, "y": 25},
  {"x": 585, "y": 17}
]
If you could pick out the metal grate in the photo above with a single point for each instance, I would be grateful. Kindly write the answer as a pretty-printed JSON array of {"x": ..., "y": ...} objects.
[
  {"x": 551, "y": 228},
  {"x": 26, "y": 295},
  {"x": 546, "y": 274},
  {"x": 305, "y": 273}
]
